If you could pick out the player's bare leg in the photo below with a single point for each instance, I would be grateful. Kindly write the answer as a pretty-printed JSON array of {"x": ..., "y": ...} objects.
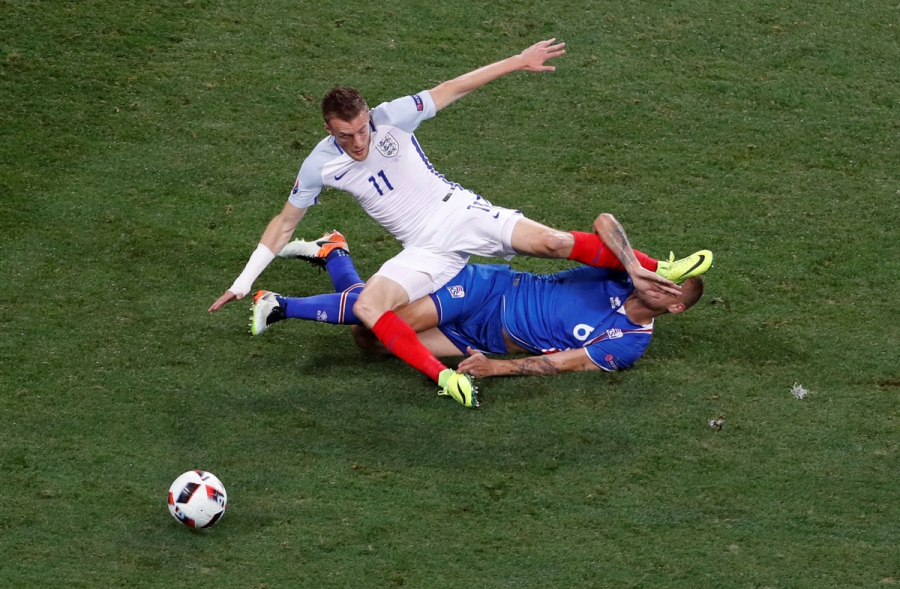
[
  {"x": 531, "y": 238},
  {"x": 534, "y": 239}
]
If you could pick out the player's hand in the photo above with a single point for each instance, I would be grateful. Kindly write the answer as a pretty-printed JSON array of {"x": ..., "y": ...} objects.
[
  {"x": 535, "y": 56},
  {"x": 224, "y": 299},
  {"x": 651, "y": 284},
  {"x": 477, "y": 364}
]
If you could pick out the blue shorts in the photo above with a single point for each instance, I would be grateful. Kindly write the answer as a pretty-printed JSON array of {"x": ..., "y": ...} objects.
[{"x": 469, "y": 307}]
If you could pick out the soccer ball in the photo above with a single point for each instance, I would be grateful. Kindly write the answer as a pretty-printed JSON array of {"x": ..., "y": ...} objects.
[{"x": 197, "y": 499}]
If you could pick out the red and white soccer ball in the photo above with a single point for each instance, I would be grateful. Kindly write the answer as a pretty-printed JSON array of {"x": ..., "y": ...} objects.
[{"x": 197, "y": 499}]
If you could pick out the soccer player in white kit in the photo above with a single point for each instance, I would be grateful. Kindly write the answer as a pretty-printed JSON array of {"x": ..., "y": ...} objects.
[{"x": 375, "y": 156}]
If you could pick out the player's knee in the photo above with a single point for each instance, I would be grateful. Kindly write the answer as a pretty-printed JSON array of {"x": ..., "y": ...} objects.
[
  {"x": 362, "y": 310},
  {"x": 605, "y": 222},
  {"x": 555, "y": 244},
  {"x": 605, "y": 218},
  {"x": 367, "y": 312}
]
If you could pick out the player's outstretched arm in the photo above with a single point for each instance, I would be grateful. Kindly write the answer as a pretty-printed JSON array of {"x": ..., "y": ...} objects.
[
  {"x": 278, "y": 232},
  {"x": 613, "y": 235},
  {"x": 478, "y": 365},
  {"x": 532, "y": 59}
]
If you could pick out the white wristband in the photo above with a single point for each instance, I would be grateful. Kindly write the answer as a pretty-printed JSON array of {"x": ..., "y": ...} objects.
[{"x": 255, "y": 265}]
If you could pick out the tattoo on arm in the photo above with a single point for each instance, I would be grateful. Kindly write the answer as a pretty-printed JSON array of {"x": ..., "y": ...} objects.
[
  {"x": 568, "y": 361},
  {"x": 620, "y": 245},
  {"x": 534, "y": 366}
]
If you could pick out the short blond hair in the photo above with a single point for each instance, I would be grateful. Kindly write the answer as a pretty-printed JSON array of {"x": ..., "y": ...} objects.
[{"x": 691, "y": 291}]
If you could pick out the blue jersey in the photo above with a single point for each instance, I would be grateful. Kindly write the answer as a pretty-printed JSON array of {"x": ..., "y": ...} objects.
[{"x": 578, "y": 308}]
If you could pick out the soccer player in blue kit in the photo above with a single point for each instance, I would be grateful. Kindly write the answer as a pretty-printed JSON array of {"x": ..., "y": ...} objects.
[
  {"x": 585, "y": 318},
  {"x": 374, "y": 155}
]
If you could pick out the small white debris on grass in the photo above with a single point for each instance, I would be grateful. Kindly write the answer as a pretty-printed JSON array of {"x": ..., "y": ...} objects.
[
  {"x": 798, "y": 391},
  {"x": 717, "y": 423}
]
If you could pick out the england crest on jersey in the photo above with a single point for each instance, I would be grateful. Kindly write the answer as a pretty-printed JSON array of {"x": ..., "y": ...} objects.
[{"x": 388, "y": 147}]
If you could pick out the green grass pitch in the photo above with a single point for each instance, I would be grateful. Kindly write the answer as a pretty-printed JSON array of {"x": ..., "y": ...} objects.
[{"x": 145, "y": 144}]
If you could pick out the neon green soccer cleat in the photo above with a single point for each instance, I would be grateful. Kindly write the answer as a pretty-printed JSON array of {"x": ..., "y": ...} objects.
[
  {"x": 459, "y": 386},
  {"x": 680, "y": 270}
]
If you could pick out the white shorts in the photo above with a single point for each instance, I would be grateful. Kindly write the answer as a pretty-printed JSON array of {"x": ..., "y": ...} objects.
[{"x": 473, "y": 227}]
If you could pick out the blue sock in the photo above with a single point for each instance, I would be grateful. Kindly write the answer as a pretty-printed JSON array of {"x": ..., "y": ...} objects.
[
  {"x": 334, "y": 308},
  {"x": 342, "y": 271}
]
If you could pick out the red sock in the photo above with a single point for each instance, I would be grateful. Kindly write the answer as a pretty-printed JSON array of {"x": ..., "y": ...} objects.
[
  {"x": 589, "y": 249},
  {"x": 402, "y": 341}
]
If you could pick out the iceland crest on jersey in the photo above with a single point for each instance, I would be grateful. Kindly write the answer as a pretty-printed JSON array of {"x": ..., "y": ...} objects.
[
  {"x": 457, "y": 291},
  {"x": 388, "y": 147}
]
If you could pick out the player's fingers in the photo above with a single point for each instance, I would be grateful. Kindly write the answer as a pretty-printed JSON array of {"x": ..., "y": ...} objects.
[
  {"x": 665, "y": 285},
  {"x": 222, "y": 300},
  {"x": 650, "y": 292},
  {"x": 671, "y": 291},
  {"x": 470, "y": 351},
  {"x": 546, "y": 45},
  {"x": 654, "y": 277}
]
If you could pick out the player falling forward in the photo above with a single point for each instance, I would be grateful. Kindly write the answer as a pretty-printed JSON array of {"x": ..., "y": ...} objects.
[
  {"x": 581, "y": 319},
  {"x": 374, "y": 156}
]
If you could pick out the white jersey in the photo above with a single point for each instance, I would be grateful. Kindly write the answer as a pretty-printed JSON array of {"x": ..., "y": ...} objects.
[{"x": 396, "y": 184}]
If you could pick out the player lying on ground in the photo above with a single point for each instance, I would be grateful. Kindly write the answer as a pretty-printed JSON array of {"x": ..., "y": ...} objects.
[
  {"x": 374, "y": 156},
  {"x": 581, "y": 319}
]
